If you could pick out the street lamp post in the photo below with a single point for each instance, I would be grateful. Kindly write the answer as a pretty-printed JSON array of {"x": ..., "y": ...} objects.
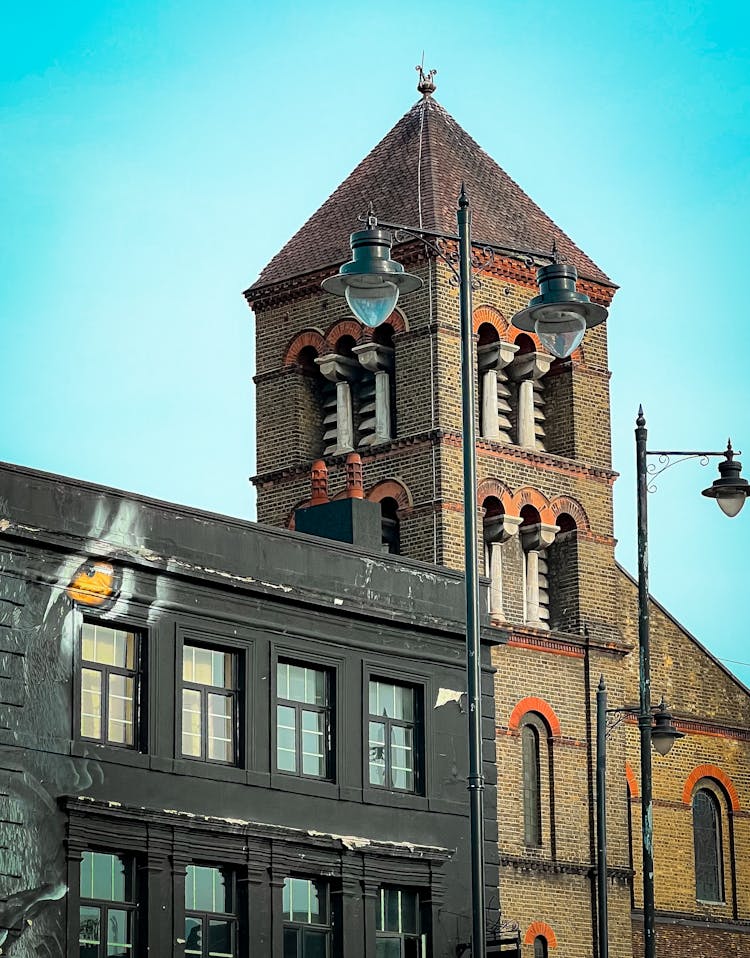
[
  {"x": 372, "y": 282},
  {"x": 730, "y": 492}
]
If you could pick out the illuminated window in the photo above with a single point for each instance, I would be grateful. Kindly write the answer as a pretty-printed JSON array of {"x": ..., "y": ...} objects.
[
  {"x": 210, "y": 918},
  {"x": 109, "y": 658},
  {"x": 107, "y": 909},
  {"x": 303, "y": 720},
  {"x": 209, "y": 704}
]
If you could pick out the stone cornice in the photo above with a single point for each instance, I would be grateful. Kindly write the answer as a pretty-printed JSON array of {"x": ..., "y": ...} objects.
[{"x": 557, "y": 867}]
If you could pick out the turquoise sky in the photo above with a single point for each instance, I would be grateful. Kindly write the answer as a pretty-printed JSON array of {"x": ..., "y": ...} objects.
[{"x": 154, "y": 155}]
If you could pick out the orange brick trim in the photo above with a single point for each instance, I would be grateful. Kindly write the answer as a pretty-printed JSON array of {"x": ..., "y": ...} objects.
[
  {"x": 631, "y": 780},
  {"x": 711, "y": 771},
  {"x": 528, "y": 496},
  {"x": 537, "y": 928},
  {"x": 308, "y": 337},
  {"x": 397, "y": 321},
  {"x": 534, "y": 704},
  {"x": 393, "y": 489},
  {"x": 493, "y": 487},
  {"x": 346, "y": 327},
  {"x": 492, "y": 316},
  {"x": 574, "y": 509}
]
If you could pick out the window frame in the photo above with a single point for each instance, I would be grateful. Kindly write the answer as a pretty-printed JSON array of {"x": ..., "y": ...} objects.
[
  {"x": 105, "y": 670},
  {"x": 327, "y": 710},
  {"x": 287, "y": 923},
  {"x": 105, "y": 905},
  {"x": 532, "y": 816},
  {"x": 417, "y": 726},
  {"x": 381, "y": 934},
  {"x": 716, "y": 806},
  {"x": 234, "y": 694},
  {"x": 205, "y": 917}
]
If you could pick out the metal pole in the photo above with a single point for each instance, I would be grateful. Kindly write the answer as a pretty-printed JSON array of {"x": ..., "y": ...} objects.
[
  {"x": 644, "y": 715},
  {"x": 601, "y": 818},
  {"x": 473, "y": 658}
]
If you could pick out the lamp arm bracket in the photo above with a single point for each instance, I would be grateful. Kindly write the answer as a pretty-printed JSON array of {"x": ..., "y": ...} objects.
[{"x": 669, "y": 458}]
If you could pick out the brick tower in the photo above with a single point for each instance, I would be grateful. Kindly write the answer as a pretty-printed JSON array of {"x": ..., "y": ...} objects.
[{"x": 327, "y": 385}]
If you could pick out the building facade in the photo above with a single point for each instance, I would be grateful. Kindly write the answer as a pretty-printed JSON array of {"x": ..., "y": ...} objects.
[
  {"x": 327, "y": 385},
  {"x": 223, "y": 739}
]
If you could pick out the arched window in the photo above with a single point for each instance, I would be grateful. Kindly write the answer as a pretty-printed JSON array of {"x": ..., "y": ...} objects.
[
  {"x": 526, "y": 372},
  {"x": 535, "y": 539},
  {"x": 540, "y": 947},
  {"x": 493, "y": 358},
  {"x": 341, "y": 370},
  {"x": 390, "y": 525},
  {"x": 562, "y": 572},
  {"x": 709, "y": 879},
  {"x": 376, "y": 398},
  {"x": 532, "y": 798}
]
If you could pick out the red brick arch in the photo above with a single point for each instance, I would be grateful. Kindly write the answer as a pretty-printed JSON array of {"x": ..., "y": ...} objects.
[
  {"x": 347, "y": 327},
  {"x": 395, "y": 490},
  {"x": 574, "y": 509},
  {"x": 397, "y": 321},
  {"x": 534, "y": 704},
  {"x": 493, "y": 487},
  {"x": 631, "y": 780},
  {"x": 537, "y": 928},
  {"x": 493, "y": 317},
  {"x": 716, "y": 773},
  {"x": 308, "y": 337},
  {"x": 528, "y": 496}
]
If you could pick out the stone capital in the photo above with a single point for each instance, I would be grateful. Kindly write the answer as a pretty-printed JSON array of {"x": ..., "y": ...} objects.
[
  {"x": 495, "y": 355},
  {"x": 528, "y": 366},
  {"x": 374, "y": 357},
  {"x": 537, "y": 537},
  {"x": 501, "y": 528},
  {"x": 338, "y": 369}
]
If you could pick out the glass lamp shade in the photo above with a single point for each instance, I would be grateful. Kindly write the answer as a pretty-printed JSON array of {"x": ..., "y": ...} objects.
[
  {"x": 560, "y": 330},
  {"x": 731, "y": 503},
  {"x": 372, "y": 299},
  {"x": 663, "y": 733},
  {"x": 662, "y": 743}
]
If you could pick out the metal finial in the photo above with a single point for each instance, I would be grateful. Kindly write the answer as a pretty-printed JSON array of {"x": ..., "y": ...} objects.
[
  {"x": 426, "y": 85},
  {"x": 555, "y": 254},
  {"x": 602, "y": 686},
  {"x": 463, "y": 199},
  {"x": 641, "y": 419}
]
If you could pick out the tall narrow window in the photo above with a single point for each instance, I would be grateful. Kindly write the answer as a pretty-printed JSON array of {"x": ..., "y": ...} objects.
[
  {"x": 392, "y": 736},
  {"x": 391, "y": 536},
  {"x": 307, "y": 918},
  {"x": 107, "y": 911},
  {"x": 303, "y": 720},
  {"x": 398, "y": 931},
  {"x": 210, "y": 913},
  {"x": 109, "y": 659},
  {"x": 709, "y": 882},
  {"x": 540, "y": 947},
  {"x": 532, "y": 805},
  {"x": 209, "y": 704}
]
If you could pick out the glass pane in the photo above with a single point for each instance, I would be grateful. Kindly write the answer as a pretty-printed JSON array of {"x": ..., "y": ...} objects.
[
  {"x": 193, "y": 936},
  {"x": 402, "y": 757},
  {"x": 286, "y": 739},
  {"x": 291, "y": 937},
  {"x": 118, "y": 933},
  {"x": 393, "y": 701},
  {"x": 300, "y": 899},
  {"x": 89, "y": 930},
  {"x": 315, "y": 686},
  {"x": 314, "y": 943},
  {"x": 707, "y": 843},
  {"x": 205, "y": 889},
  {"x": 297, "y": 683},
  {"x": 282, "y": 680},
  {"x": 403, "y": 703},
  {"x": 220, "y": 739},
  {"x": 124, "y": 648},
  {"x": 313, "y": 743},
  {"x": 220, "y": 939},
  {"x": 387, "y": 947},
  {"x": 318, "y": 903},
  {"x": 104, "y": 876},
  {"x": 191, "y": 722},
  {"x": 87, "y": 642},
  {"x": 374, "y": 698},
  {"x": 91, "y": 703},
  {"x": 532, "y": 810},
  {"x": 377, "y": 753},
  {"x": 391, "y": 909},
  {"x": 286, "y": 898},
  {"x": 409, "y": 913},
  {"x": 120, "y": 710}
]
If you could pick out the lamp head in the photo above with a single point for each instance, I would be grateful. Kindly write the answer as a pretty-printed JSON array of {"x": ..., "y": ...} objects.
[
  {"x": 560, "y": 315},
  {"x": 371, "y": 281},
  {"x": 730, "y": 490},
  {"x": 663, "y": 733}
]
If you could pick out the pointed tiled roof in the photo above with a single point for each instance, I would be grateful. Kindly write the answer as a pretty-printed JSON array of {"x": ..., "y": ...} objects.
[{"x": 422, "y": 163}]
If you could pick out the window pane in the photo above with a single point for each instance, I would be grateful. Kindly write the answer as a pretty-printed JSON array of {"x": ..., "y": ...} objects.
[
  {"x": 318, "y": 910},
  {"x": 193, "y": 936},
  {"x": 118, "y": 933},
  {"x": 296, "y": 683},
  {"x": 300, "y": 899},
  {"x": 220, "y": 939},
  {"x": 540, "y": 947},
  {"x": 387, "y": 948},
  {"x": 91, "y": 703},
  {"x": 391, "y": 909},
  {"x": 89, "y": 931},
  {"x": 403, "y": 703},
  {"x": 314, "y": 943},
  {"x": 291, "y": 937},
  {"x": 103, "y": 877},
  {"x": 286, "y": 739},
  {"x": 191, "y": 722},
  {"x": 392, "y": 701},
  {"x": 124, "y": 648},
  {"x": 409, "y": 913},
  {"x": 205, "y": 889},
  {"x": 120, "y": 709},
  {"x": 402, "y": 757},
  {"x": 532, "y": 809},
  {"x": 313, "y": 743},
  {"x": 377, "y": 753},
  {"x": 707, "y": 843},
  {"x": 220, "y": 744},
  {"x": 282, "y": 680}
]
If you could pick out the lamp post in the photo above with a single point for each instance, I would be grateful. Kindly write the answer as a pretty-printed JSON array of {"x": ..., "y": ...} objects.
[
  {"x": 663, "y": 737},
  {"x": 371, "y": 283},
  {"x": 730, "y": 492}
]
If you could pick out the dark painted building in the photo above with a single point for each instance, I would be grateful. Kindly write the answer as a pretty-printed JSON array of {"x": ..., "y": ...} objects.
[{"x": 225, "y": 739}]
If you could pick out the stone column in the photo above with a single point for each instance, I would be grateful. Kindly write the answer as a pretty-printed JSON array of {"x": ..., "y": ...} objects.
[
  {"x": 535, "y": 539},
  {"x": 492, "y": 358},
  {"x": 527, "y": 370},
  {"x": 341, "y": 370},
  {"x": 376, "y": 418},
  {"x": 497, "y": 530}
]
